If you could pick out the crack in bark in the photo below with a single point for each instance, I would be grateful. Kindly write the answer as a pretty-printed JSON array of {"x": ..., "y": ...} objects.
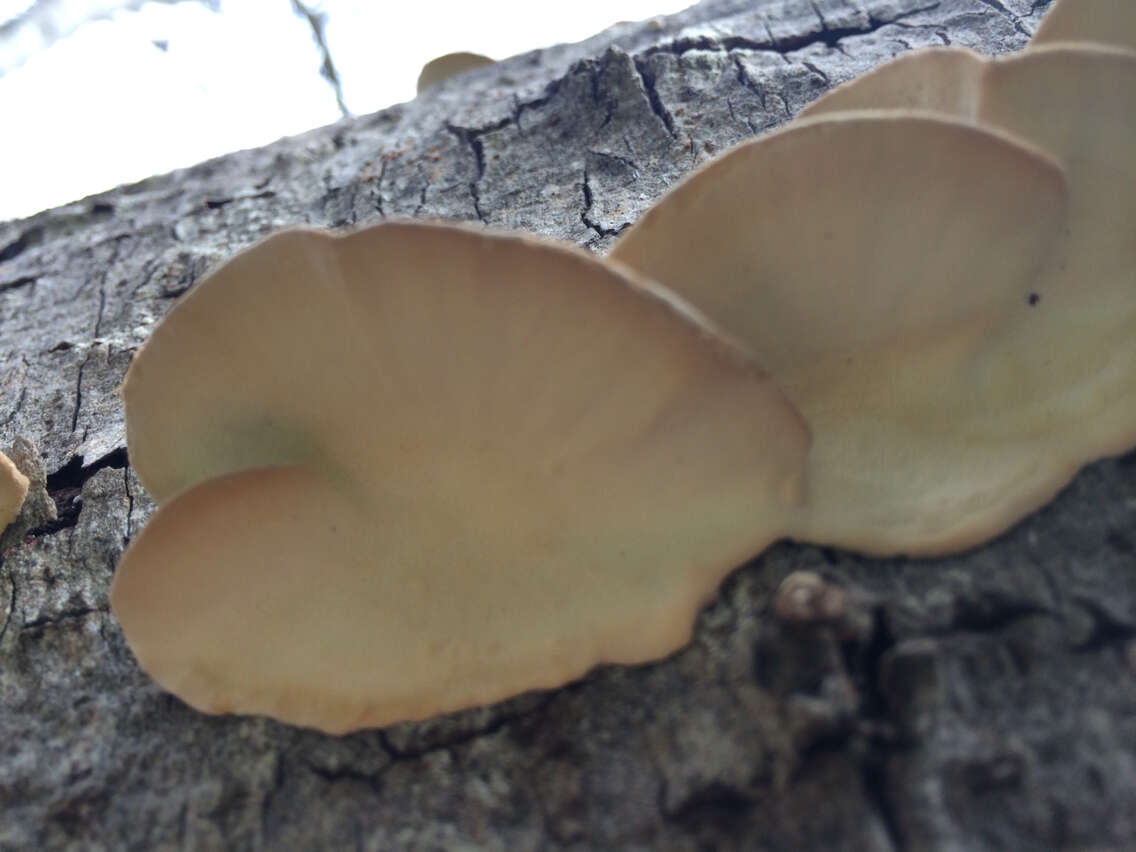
[
  {"x": 993, "y": 613},
  {"x": 99, "y": 313},
  {"x": 475, "y": 194},
  {"x": 518, "y": 108},
  {"x": 589, "y": 222},
  {"x": 373, "y": 780},
  {"x": 398, "y": 755},
  {"x": 79, "y": 393},
  {"x": 224, "y": 201},
  {"x": 873, "y": 776},
  {"x": 829, "y": 37},
  {"x": 819, "y": 16},
  {"x": 60, "y": 617},
  {"x": 23, "y": 394},
  {"x": 769, "y": 33},
  {"x": 872, "y": 720},
  {"x": 997, "y": 6},
  {"x": 16, "y": 283},
  {"x": 647, "y": 76},
  {"x": 739, "y": 119},
  {"x": 65, "y": 485},
  {"x": 763, "y": 96},
  {"x": 129, "y": 534},
  {"x": 11, "y": 608},
  {"x": 609, "y": 104},
  {"x": 818, "y": 72},
  {"x": 278, "y": 780},
  {"x": 751, "y": 84},
  {"x": 422, "y": 198},
  {"x": 471, "y": 138},
  {"x": 380, "y": 180},
  {"x": 31, "y": 237}
]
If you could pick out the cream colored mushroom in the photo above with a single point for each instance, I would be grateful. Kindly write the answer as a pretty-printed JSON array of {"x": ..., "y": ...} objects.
[
  {"x": 945, "y": 80},
  {"x": 1104, "y": 21},
  {"x": 441, "y": 68},
  {"x": 963, "y": 84},
  {"x": 1074, "y": 373},
  {"x": 13, "y": 490},
  {"x": 887, "y": 269},
  {"x": 418, "y": 468}
]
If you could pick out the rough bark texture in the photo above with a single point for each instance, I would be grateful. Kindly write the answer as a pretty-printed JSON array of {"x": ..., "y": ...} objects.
[{"x": 981, "y": 701}]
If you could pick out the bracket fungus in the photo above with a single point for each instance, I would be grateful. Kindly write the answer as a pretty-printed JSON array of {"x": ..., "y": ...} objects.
[
  {"x": 451, "y": 465},
  {"x": 442, "y": 68},
  {"x": 1006, "y": 93},
  {"x": 1078, "y": 103},
  {"x": 1103, "y": 21},
  {"x": 446, "y": 467},
  {"x": 13, "y": 490},
  {"x": 883, "y": 268}
]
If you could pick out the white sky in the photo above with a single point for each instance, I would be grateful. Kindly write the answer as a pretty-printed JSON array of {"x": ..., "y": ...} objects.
[{"x": 106, "y": 106}]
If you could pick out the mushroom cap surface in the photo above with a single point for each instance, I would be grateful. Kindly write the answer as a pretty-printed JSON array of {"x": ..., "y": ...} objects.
[
  {"x": 881, "y": 267},
  {"x": 1077, "y": 102},
  {"x": 13, "y": 490},
  {"x": 417, "y": 468},
  {"x": 945, "y": 80},
  {"x": 441, "y": 68},
  {"x": 1102, "y": 21}
]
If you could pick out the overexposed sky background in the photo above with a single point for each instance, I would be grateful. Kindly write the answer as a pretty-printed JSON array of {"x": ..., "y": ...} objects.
[{"x": 140, "y": 92}]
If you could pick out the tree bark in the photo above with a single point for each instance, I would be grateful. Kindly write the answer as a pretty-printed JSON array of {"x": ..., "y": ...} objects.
[{"x": 986, "y": 700}]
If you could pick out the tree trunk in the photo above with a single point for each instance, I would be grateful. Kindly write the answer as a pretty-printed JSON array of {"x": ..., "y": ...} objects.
[{"x": 986, "y": 700}]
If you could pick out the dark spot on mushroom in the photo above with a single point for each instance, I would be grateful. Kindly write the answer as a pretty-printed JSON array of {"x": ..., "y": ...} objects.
[{"x": 1033, "y": 299}]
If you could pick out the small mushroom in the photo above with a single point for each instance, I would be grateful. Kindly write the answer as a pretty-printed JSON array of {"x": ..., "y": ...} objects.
[
  {"x": 417, "y": 468},
  {"x": 38, "y": 507},
  {"x": 441, "y": 68},
  {"x": 1103, "y": 21},
  {"x": 882, "y": 267},
  {"x": 13, "y": 490}
]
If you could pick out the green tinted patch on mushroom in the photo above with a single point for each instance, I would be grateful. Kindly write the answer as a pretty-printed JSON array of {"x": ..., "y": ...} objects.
[
  {"x": 493, "y": 462},
  {"x": 882, "y": 267}
]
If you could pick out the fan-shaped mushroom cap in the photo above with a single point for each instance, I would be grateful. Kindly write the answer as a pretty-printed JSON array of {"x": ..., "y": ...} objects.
[
  {"x": 13, "y": 490},
  {"x": 883, "y": 268},
  {"x": 1104, "y": 21},
  {"x": 1078, "y": 103},
  {"x": 960, "y": 83},
  {"x": 443, "y": 67},
  {"x": 936, "y": 79},
  {"x": 418, "y": 468}
]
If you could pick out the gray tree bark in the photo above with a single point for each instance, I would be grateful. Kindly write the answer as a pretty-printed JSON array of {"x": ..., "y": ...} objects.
[{"x": 981, "y": 701}]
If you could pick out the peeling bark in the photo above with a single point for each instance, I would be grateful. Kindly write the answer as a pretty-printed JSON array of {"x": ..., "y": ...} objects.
[{"x": 985, "y": 700}]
